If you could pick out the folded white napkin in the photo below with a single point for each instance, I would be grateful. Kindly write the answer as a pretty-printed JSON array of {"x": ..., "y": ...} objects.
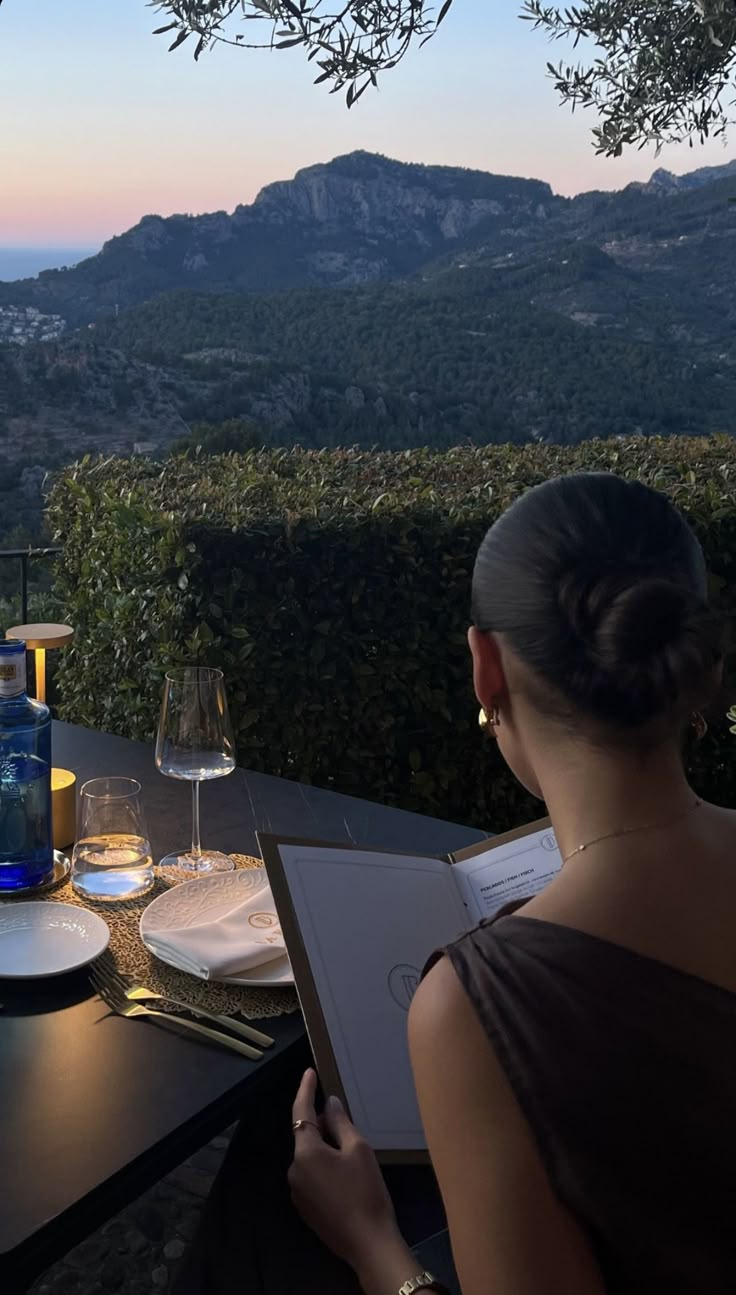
[{"x": 248, "y": 936}]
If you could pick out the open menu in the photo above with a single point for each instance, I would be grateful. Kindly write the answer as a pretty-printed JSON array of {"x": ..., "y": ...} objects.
[{"x": 360, "y": 924}]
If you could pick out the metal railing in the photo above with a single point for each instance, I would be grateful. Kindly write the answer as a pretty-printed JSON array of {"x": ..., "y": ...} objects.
[{"x": 24, "y": 557}]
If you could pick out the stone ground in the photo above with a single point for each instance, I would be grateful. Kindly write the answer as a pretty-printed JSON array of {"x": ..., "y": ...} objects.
[{"x": 138, "y": 1251}]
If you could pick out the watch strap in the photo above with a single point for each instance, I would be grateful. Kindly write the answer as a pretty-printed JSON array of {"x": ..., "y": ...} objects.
[{"x": 423, "y": 1282}]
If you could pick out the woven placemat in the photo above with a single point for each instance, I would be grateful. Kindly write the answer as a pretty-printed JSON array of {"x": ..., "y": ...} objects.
[{"x": 132, "y": 958}]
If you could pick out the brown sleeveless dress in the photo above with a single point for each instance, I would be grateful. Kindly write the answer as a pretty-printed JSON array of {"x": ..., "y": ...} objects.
[{"x": 625, "y": 1069}]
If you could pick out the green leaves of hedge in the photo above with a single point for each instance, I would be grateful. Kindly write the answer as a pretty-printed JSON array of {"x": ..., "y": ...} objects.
[{"x": 333, "y": 589}]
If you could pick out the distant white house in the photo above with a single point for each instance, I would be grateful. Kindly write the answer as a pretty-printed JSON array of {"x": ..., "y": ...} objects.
[{"x": 24, "y": 324}]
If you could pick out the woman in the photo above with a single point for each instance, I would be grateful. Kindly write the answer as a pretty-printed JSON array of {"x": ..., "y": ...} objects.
[{"x": 575, "y": 1061}]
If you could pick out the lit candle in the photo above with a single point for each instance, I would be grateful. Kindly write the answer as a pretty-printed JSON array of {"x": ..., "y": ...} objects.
[{"x": 63, "y": 807}]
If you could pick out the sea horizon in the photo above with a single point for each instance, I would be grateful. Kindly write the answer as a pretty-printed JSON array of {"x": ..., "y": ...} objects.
[{"x": 18, "y": 262}]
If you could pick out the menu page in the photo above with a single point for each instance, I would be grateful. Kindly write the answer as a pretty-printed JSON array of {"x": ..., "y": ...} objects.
[
  {"x": 369, "y": 921},
  {"x": 515, "y": 870}
]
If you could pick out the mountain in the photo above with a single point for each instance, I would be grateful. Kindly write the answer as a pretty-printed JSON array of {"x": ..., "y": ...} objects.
[
  {"x": 377, "y": 302},
  {"x": 365, "y": 219},
  {"x": 355, "y": 220},
  {"x": 665, "y": 180},
  {"x": 64, "y": 398}
]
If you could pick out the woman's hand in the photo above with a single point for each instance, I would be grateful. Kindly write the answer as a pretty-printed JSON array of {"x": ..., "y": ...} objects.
[{"x": 336, "y": 1185}]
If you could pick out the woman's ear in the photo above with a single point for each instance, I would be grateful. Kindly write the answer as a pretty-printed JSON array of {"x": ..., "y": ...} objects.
[{"x": 489, "y": 680}]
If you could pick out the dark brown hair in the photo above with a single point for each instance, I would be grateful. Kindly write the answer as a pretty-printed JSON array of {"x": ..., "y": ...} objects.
[{"x": 600, "y": 588}]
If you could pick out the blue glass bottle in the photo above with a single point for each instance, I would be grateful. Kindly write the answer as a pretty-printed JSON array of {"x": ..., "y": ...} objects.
[{"x": 26, "y": 842}]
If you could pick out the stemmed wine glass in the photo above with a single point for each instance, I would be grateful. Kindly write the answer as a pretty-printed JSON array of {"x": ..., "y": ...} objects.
[{"x": 195, "y": 742}]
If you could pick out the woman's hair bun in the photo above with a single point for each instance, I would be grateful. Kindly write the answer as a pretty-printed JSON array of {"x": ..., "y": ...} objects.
[
  {"x": 600, "y": 587},
  {"x": 650, "y": 643},
  {"x": 643, "y": 620}
]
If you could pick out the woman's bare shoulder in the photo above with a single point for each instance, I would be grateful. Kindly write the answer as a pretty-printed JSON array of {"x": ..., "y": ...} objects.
[{"x": 672, "y": 903}]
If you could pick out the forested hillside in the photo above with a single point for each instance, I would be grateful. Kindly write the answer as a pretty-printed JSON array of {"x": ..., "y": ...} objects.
[{"x": 376, "y": 303}]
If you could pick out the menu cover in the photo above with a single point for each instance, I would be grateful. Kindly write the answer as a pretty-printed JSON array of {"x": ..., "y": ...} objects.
[{"x": 360, "y": 924}]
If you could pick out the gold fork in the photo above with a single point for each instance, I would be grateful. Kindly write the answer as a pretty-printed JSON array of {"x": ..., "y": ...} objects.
[
  {"x": 119, "y": 1004},
  {"x": 135, "y": 993}
]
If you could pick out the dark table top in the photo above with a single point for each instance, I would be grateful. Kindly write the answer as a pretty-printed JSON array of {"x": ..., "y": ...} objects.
[{"x": 93, "y": 1108}]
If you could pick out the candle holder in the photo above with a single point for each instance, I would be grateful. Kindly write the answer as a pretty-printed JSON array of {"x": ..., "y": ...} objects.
[{"x": 63, "y": 807}]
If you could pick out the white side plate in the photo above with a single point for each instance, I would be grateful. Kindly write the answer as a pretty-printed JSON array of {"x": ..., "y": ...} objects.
[
  {"x": 209, "y": 899},
  {"x": 46, "y": 939}
]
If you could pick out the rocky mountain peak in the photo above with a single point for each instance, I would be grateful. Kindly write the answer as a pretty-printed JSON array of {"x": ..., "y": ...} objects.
[
  {"x": 358, "y": 219},
  {"x": 374, "y": 195},
  {"x": 667, "y": 182}
]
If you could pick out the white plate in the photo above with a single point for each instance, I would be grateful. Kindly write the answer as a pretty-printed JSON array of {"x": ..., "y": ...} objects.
[
  {"x": 45, "y": 939},
  {"x": 210, "y": 898}
]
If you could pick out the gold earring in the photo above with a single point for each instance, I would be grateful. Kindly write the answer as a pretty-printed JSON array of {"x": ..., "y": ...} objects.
[
  {"x": 490, "y": 720},
  {"x": 699, "y": 725}
]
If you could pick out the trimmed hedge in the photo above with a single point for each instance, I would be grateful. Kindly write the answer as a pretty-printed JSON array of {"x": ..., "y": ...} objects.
[{"x": 333, "y": 589}]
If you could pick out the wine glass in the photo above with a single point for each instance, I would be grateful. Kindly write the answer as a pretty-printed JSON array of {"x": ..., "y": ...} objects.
[{"x": 195, "y": 742}]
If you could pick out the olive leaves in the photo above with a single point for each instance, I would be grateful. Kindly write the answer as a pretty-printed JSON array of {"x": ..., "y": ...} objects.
[{"x": 350, "y": 44}]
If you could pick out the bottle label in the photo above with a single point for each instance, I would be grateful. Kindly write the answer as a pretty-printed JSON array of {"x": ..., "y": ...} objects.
[{"x": 13, "y": 676}]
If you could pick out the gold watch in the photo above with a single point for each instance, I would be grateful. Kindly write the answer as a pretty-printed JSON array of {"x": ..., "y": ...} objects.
[{"x": 423, "y": 1282}]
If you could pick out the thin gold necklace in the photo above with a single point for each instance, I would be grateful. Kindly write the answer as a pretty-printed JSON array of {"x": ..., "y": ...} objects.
[{"x": 629, "y": 831}]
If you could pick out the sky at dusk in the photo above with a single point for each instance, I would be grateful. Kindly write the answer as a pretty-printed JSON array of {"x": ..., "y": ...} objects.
[{"x": 100, "y": 125}]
